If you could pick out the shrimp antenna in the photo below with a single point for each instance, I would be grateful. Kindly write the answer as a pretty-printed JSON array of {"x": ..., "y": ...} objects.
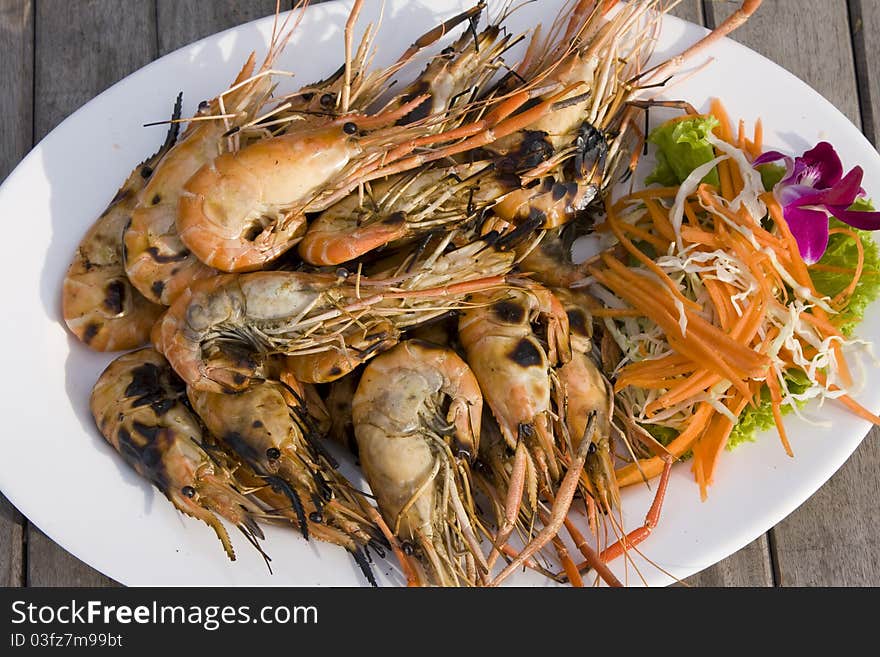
[
  {"x": 280, "y": 486},
  {"x": 363, "y": 563},
  {"x": 252, "y": 539}
]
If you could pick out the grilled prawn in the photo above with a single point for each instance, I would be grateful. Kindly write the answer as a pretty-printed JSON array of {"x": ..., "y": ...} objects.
[
  {"x": 219, "y": 333},
  {"x": 139, "y": 405},
  {"x": 416, "y": 417},
  {"x": 99, "y": 304},
  {"x": 269, "y": 427}
]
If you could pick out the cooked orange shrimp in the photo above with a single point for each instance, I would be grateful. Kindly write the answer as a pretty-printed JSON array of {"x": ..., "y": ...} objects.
[
  {"x": 98, "y": 303},
  {"x": 416, "y": 454},
  {"x": 139, "y": 405},
  {"x": 512, "y": 365},
  {"x": 586, "y": 392},
  {"x": 245, "y": 209},
  {"x": 338, "y": 402},
  {"x": 269, "y": 428},
  {"x": 218, "y": 334},
  {"x": 157, "y": 262},
  {"x": 396, "y": 208}
]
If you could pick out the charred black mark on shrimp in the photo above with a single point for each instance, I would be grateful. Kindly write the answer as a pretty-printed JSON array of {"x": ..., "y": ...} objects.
[
  {"x": 590, "y": 141},
  {"x": 394, "y": 219},
  {"x": 164, "y": 259},
  {"x": 526, "y": 354},
  {"x": 509, "y": 312},
  {"x": 157, "y": 288},
  {"x": 240, "y": 446},
  {"x": 91, "y": 332},
  {"x": 146, "y": 389},
  {"x": 534, "y": 149},
  {"x": 114, "y": 296},
  {"x": 578, "y": 322},
  {"x": 146, "y": 459}
]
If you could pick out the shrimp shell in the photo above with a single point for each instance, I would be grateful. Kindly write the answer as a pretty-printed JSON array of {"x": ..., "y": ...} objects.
[
  {"x": 139, "y": 405},
  {"x": 416, "y": 456},
  {"x": 99, "y": 304}
]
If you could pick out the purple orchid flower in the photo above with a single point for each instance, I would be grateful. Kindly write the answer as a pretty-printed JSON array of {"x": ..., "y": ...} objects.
[{"x": 813, "y": 188}]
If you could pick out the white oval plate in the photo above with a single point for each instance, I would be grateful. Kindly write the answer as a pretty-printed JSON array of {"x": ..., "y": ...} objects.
[{"x": 59, "y": 472}]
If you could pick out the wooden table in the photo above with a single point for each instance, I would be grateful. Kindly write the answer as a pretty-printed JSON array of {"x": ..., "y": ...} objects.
[{"x": 58, "y": 54}]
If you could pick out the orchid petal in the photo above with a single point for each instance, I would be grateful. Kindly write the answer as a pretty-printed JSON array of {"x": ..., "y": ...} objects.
[
  {"x": 856, "y": 218},
  {"x": 810, "y": 230},
  {"x": 826, "y": 161},
  {"x": 769, "y": 156},
  {"x": 844, "y": 192},
  {"x": 793, "y": 194}
]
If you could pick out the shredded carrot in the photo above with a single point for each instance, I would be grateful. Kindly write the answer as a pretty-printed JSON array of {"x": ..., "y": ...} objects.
[
  {"x": 652, "y": 467},
  {"x": 661, "y": 219},
  {"x": 645, "y": 260},
  {"x": 719, "y": 352},
  {"x": 840, "y": 270},
  {"x": 711, "y": 444},
  {"x": 798, "y": 266},
  {"x": 699, "y": 236},
  {"x": 722, "y": 130},
  {"x": 736, "y": 179},
  {"x": 630, "y": 284},
  {"x": 657, "y": 242},
  {"x": 720, "y": 296},
  {"x": 616, "y": 312},
  {"x": 847, "y": 292},
  {"x": 684, "y": 389},
  {"x": 775, "y": 404},
  {"x": 726, "y": 180},
  {"x": 848, "y": 401},
  {"x": 652, "y": 192}
]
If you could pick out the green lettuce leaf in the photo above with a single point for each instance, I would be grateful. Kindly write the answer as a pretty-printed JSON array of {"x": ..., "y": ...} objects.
[
  {"x": 771, "y": 174},
  {"x": 682, "y": 147},
  {"x": 842, "y": 252}
]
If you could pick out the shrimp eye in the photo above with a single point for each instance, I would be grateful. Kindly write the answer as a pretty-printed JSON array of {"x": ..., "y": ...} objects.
[
  {"x": 327, "y": 100},
  {"x": 273, "y": 453},
  {"x": 316, "y": 517},
  {"x": 592, "y": 448},
  {"x": 203, "y": 105},
  {"x": 188, "y": 491},
  {"x": 407, "y": 548},
  {"x": 349, "y": 128}
]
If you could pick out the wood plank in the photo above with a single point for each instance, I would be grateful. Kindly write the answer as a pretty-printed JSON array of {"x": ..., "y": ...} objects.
[
  {"x": 11, "y": 545},
  {"x": 832, "y": 538},
  {"x": 16, "y": 80},
  {"x": 183, "y": 21},
  {"x": 810, "y": 38},
  {"x": 82, "y": 47},
  {"x": 690, "y": 10},
  {"x": 865, "y": 24},
  {"x": 751, "y": 566}
]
